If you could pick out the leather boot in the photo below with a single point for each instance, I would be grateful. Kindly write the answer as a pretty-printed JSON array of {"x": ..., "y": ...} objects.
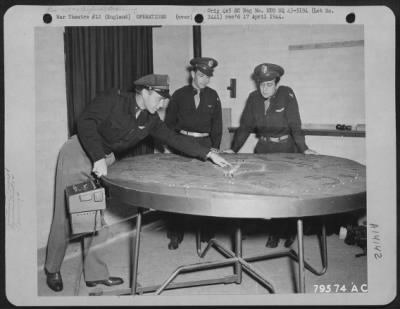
[{"x": 54, "y": 281}]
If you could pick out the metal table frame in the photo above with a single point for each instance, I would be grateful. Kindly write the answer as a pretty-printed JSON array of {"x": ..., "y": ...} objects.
[
  {"x": 230, "y": 205},
  {"x": 236, "y": 259}
]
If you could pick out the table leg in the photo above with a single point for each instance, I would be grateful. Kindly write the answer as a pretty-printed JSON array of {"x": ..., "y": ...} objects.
[
  {"x": 238, "y": 252},
  {"x": 324, "y": 250},
  {"x": 302, "y": 282},
  {"x": 136, "y": 251},
  {"x": 198, "y": 243}
]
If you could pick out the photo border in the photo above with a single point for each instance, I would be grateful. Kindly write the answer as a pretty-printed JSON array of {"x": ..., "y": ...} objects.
[{"x": 27, "y": 175}]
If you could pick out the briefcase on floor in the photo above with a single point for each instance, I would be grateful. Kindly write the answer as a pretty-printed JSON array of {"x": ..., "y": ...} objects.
[{"x": 86, "y": 202}]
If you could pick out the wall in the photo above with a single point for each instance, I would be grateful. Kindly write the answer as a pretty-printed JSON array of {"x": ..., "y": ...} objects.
[
  {"x": 51, "y": 120},
  {"x": 52, "y": 132},
  {"x": 172, "y": 61},
  {"x": 173, "y": 48},
  {"x": 175, "y": 63},
  {"x": 329, "y": 91},
  {"x": 51, "y": 113},
  {"x": 314, "y": 74}
]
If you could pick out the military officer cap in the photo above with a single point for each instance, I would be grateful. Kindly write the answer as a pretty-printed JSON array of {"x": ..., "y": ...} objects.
[
  {"x": 267, "y": 71},
  {"x": 204, "y": 65},
  {"x": 157, "y": 82}
]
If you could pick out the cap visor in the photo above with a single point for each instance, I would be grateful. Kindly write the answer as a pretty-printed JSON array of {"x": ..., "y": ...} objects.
[
  {"x": 163, "y": 93},
  {"x": 268, "y": 78},
  {"x": 207, "y": 72}
]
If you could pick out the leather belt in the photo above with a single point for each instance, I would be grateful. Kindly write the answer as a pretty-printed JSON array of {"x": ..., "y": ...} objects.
[
  {"x": 194, "y": 134},
  {"x": 274, "y": 139}
]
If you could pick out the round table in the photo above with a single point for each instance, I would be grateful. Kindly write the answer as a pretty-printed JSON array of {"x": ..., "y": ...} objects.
[{"x": 280, "y": 185}]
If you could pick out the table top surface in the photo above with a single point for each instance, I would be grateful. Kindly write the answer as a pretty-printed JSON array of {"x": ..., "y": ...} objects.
[{"x": 263, "y": 185}]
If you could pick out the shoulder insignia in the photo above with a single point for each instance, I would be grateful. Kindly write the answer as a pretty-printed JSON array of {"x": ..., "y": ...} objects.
[{"x": 291, "y": 94}]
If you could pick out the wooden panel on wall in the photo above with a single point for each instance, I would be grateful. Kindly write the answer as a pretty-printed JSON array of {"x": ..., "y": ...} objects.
[{"x": 329, "y": 84}]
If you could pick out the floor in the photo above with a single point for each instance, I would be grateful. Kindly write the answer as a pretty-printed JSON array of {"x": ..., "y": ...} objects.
[{"x": 156, "y": 263}]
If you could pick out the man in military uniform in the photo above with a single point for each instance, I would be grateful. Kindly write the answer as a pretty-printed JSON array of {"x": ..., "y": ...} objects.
[
  {"x": 195, "y": 111},
  {"x": 273, "y": 113},
  {"x": 114, "y": 122}
]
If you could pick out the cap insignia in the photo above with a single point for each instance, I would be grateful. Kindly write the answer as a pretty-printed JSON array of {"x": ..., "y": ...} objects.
[{"x": 264, "y": 68}]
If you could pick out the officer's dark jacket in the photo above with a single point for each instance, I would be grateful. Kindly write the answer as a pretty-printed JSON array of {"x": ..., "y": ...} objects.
[
  {"x": 182, "y": 114},
  {"x": 109, "y": 124},
  {"x": 282, "y": 118}
]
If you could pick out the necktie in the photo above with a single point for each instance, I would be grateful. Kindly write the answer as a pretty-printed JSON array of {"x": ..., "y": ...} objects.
[
  {"x": 266, "y": 105},
  {"x": 197, "y": 98}
]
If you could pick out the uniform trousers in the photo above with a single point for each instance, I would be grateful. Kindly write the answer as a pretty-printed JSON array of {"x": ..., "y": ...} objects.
[
  {"x": 177, "y": 223},
  {"x": 73, "y": 167},
  {"x": 282, "y": 228}
]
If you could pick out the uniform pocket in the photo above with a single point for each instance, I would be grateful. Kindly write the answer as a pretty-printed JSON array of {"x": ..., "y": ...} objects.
[{"x": 112, "y": 130}]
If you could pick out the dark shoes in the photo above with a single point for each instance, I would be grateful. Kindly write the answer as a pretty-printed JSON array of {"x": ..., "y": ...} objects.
[
  {"x": 54, "y": 280},
  {"x": 176, "y": 238},
  {"x": 273, "y": 241},
  {"x": 290, "y": 240},
  {"x": 174, "y": 243},
  {"x": 108, "y": 282}
]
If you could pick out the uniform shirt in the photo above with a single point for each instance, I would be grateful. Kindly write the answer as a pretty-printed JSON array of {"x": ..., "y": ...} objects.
[
  {"x": 182, "y": 114},
  {"x": 109, "y": 124},
  {"x": 281, "y": 118}
]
